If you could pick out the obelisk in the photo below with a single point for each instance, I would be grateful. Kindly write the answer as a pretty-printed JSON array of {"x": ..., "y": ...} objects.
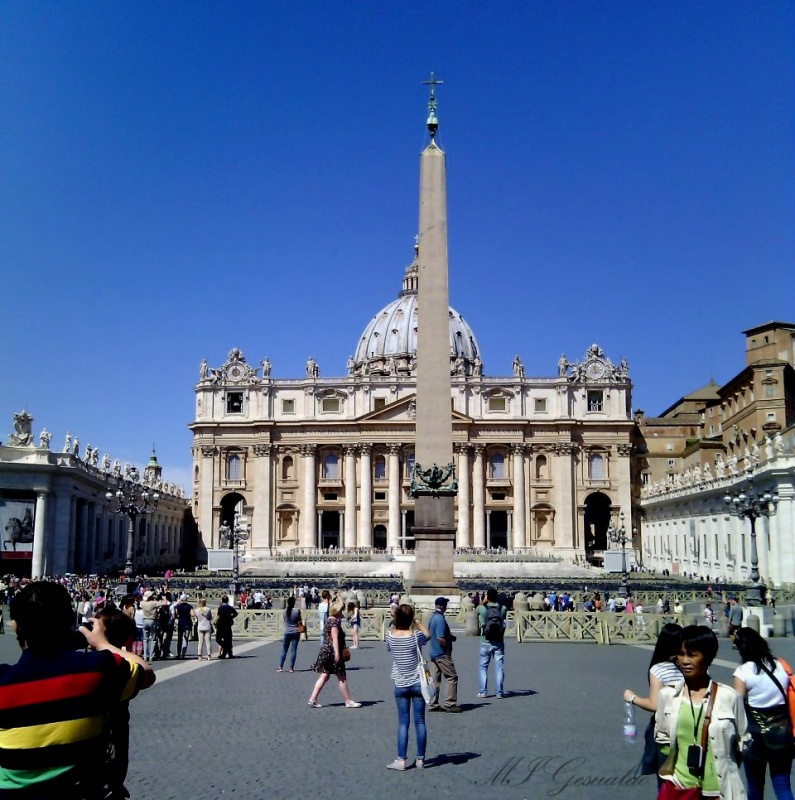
[{"x": 433, "y": 482}]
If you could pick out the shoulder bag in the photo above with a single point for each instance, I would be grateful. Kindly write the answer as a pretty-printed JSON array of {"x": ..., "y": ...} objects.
[{"x": 428, "y": 691}]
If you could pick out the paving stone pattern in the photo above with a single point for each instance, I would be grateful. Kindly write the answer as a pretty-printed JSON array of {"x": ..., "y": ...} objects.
[{"x": 240, "y": 729}]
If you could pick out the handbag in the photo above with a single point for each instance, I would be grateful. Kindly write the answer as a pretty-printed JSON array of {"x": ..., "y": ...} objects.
[
  {"x": 299, "y": 626},
  {"x": 346, "y": 654},
  {"x": 428, "y": 691},
  {"x": 652, "y": 759},
  {"x": 776, "y": 724},
  {"x": 773, "y": 725}
]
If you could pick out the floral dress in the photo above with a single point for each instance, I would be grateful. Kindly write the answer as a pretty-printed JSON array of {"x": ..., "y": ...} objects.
[{"x": 325, "y": 658}]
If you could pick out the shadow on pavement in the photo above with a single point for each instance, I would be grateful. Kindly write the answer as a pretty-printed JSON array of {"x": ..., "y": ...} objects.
[{"x": 450, "y": 758}]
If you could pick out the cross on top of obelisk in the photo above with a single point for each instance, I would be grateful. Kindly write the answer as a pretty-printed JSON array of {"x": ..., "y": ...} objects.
[{"x": 433, "y": 122}]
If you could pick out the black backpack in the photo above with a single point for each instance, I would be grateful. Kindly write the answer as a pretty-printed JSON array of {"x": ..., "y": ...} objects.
[
  {"x": 493, "y": 625},
  {"x": 163, "y": 617}
]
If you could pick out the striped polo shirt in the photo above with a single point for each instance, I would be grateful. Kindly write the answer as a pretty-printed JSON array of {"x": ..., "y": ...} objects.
[
  {"x": 405, "y": 657},
  {"x": 53, "y": 713}
]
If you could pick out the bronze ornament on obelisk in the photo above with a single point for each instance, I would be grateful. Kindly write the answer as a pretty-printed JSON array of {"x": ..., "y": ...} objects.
[{"x": 433, "y": 483}]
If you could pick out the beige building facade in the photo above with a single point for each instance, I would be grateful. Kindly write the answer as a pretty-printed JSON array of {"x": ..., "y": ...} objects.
[
  {"x": 542, "y": 464},
  {"x": 55, "y": 518},
  {"x": 707, "y": 444}
]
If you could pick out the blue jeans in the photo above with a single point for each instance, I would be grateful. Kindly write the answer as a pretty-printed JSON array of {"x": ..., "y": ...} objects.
[
  {"x": 290, "y": 641},
  {"x": 759, "y": 758},
  {"x": 150, "y": 638},
  {"x": 405, "y": 698},
  {"x": 487, "y": 650}
]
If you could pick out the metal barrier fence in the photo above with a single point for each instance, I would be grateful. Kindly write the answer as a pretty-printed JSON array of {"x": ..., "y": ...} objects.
[
  {"x": 269, "y": 624},
  {"x": 599, "y": 628}
]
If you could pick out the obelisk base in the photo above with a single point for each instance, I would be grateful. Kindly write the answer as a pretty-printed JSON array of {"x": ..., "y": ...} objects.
[{"x": 434, "y": 547}]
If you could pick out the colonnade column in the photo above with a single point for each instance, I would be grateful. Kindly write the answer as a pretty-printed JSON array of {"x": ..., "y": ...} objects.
[
  {"x": 488, "y": 528},
  {"x": 365, "y": 538},
  {"x": 350, "y": 496},
  {"x": 463, "y": 535},
  {"x": 519, "y": 538},
  {"x": 394, "y": 496},
  {"x": 479, "y": 499},
  {"x": 319, "y": 529},
  {"x": 38, "y": 566},
  {"x": 308, "y": 532}
]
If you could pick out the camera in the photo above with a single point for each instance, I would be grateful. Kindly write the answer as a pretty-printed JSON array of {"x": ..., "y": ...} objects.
[{"x": 695, "y": 758}]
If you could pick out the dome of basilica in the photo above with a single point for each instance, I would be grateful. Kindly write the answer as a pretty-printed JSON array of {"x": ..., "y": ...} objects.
[{"x": 388, "y": 345}]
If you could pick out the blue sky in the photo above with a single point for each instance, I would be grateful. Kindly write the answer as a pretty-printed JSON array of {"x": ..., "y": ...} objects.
[{"x": 182, "y": 178}]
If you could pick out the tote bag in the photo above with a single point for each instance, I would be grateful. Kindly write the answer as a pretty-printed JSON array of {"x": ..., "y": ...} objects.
[{"x": 428, "y": 691}]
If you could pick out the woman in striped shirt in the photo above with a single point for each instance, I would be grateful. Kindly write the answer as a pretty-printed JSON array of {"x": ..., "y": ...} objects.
[
  {"x": 663, "y": 671},
  {"x": 404, "y": 639}
]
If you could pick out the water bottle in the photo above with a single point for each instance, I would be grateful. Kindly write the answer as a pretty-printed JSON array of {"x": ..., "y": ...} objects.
[{"x": 630, "y": 727}]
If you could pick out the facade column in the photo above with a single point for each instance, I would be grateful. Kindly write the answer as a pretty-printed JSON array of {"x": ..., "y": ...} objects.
[
  {"x": 262, "y": 523},
  {"x": 567, "y": 501},
  {"x": 394, "y": 496},
  {"x": 509, "y": 533},
  {"x": 38, "y": 566},
  {"x": 403, "y": 527},
  {"x": 519, "y": 534},
  {"x": 478, "y": 499},
  {"x": 341, "y": 530},
  {"x": 308, "y": 531},
  {"x": 488, "y": 528},
  {"x": 350, "y": 496},
  {"x": 463, "y": 536},
  {"x": 365, "y": 538},
  {"x": 209, "y": 535},
  {"x": 319, "y": 529}
]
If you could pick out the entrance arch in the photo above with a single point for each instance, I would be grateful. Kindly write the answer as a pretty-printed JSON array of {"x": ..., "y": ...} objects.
[
  {"x": 379, "y": 537},
  {"x": 233, "y": 502},
  {"x": 596, "y": 521}
]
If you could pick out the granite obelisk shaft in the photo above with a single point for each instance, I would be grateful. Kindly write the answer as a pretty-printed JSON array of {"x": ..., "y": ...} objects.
[{"x": 434, "y": 514}]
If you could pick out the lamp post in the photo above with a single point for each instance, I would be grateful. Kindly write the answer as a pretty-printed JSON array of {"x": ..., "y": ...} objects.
[
  {"x": 751, "y": 505},
  {"x": 239, "y": 532},
  {"x": 131, "y": 498},
  {"x": 619, "y": 536}
]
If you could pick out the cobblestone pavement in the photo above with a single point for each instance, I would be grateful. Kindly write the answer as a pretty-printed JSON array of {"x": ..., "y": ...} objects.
[{"x": 240, "y": 729}]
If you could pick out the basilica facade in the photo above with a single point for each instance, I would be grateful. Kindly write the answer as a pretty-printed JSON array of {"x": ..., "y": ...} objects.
[{"x": 315, "y": 462}]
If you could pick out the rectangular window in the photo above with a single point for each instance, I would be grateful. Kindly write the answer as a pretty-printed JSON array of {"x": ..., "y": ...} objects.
[
  {"x": 770, "y": 390},
  {"x": 329, "y": 497},
  {"x": 540, "y": 405},
  {"x": 595, "y": 400},
  {"x": 496, "y": 404},
  {"x": 644, "y": 478},
  {"x": 379, "y": 402},
  {"x": 330, "y": 405},
  {"x": 498, "y": 495},
  {"x": 671, "y": 462},
  {"x": 234, "y": 402},
  {"x": 771, "y": 416},
  {"x": 380, "y": 495},
  {"x": 288, "y": 406}
]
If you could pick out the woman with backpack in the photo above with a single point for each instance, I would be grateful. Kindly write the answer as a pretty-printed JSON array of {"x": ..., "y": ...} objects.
[{"x": 762, "y": 681}]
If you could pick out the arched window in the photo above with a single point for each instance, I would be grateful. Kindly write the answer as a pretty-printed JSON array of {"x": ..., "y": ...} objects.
[
  {"x": 331, "y": 467},
  {"x": 287, "y": 468},
  {"x": 497, "y": 465},
  {"x": 379, "y": 468},
  {"x": 541, "y": 468},
  {"x": 596, "y": 467},
  {"x": 409, "y": 465},
  {"x": 234, "y": 468}
]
